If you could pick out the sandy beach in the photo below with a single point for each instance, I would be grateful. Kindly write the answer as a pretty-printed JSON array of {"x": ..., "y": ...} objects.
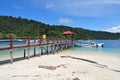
[{"x": 66, "y": 65}]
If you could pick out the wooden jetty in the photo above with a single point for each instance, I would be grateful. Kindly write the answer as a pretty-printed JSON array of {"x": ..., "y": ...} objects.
[{"x": 46, "y": 46}]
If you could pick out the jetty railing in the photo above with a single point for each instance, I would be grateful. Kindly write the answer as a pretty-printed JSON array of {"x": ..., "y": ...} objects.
[{"x": 46, "y": 46}]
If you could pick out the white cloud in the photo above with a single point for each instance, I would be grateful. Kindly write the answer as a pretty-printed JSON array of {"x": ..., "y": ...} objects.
[
  {"x": 65, "y": 21},
  {"x": 48, "y": 6},
  {"x": 115, "y": 29},
  {"x": 84, "y": 8}
]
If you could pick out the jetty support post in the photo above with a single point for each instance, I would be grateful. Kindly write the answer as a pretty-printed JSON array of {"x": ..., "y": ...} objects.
[
  {"x": 25, "y": 46},
  {"x": 24, "y": 53},
  {"x": 61, "y": 45},
  {"x": 41, "y": 40},
  {"x": 47, "y": 45},
  {"x": 72, "y": 41},
  {"x": 64, "y": 44},
  {"x": 57, "y": 45},
  {"x": 28, "y": 46},
  {"x": 53, "y": 47},
  {"x": 34, "y": 47},
  {"x": 34, "y": 51},
  {"x": 11, "y": 48}
]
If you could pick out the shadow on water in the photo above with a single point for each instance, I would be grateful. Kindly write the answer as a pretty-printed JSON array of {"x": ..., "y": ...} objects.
[
  {"x": 23, "y": 58},
  {"x": 8, "y": 61}
]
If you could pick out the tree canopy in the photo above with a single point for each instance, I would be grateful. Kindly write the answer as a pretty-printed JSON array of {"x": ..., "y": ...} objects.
[{"x": 20, "y": 27}]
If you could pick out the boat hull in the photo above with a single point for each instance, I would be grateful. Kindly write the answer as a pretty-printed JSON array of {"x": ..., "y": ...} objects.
[{"x": 89, "y": 45}]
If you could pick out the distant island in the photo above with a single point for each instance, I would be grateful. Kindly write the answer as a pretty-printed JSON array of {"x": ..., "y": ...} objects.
[{"x": 20, "y": 27}]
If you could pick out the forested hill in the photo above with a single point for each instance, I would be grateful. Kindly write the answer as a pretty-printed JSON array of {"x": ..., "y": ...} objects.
[{"x": 20, "y": 27}]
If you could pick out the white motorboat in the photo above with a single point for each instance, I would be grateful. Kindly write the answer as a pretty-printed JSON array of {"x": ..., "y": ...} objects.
[
  {"x": 88, "y": 44},
  {"x": 100, "y": 44}
]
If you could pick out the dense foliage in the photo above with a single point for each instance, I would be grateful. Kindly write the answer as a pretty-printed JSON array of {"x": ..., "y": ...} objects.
[{"x": 20, "y": 27}]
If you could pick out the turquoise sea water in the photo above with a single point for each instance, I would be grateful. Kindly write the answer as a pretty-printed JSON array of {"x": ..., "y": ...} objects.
[
  {"x": 16, "y": 52},
  {"x": 110, "y": 47}
]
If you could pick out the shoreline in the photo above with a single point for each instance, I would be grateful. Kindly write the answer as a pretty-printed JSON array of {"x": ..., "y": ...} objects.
[
  {"x": 19, "y": 52},
  {"x": 66, "y": 65},
  {"x": 97, "y": 50}
]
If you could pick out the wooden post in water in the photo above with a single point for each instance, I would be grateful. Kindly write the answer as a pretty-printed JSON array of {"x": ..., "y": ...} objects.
[
  {"x": 35, "y": 48},
  {"x": 11, "y": 48},
  {"x": 47, "y": 46},
  {"x": 51, "y": 44},
  {"x": 25, "y": 46},
  {"x": 57, "y": 46},
  {"x": 53, "y": 47},
  {"x": 41, "y": 40},
  {"x": 61, "y": 45},
  {"x": 72, "y": 40},
  {"x": 24, "y": 53},
  {"x": 34, "y": 51},
  {"x": 66, "y": 43},
  {"x": 28, "y": 46}
]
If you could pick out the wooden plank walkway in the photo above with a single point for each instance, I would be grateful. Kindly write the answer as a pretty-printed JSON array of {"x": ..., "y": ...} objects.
[{"x": 46, "y": 47}]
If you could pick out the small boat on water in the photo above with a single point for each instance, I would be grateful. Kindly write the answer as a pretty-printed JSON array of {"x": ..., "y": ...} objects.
[
  {"x": 88, "y": 44},
  {"x": 100, "y": 44}
]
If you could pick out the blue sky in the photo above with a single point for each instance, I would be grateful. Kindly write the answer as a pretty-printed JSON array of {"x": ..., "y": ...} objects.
[{"x": 88, "y": 14}]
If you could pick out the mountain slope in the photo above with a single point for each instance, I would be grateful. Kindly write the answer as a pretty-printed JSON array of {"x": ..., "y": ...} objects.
[{"x": 20, "y": 27}]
